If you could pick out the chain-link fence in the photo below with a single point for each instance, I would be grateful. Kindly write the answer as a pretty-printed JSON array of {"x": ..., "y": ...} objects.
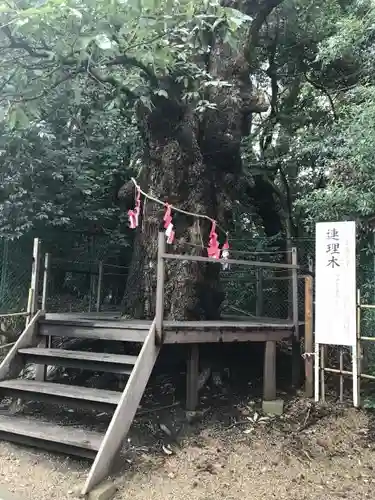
[
  {"x": 78, "y": 261},
  {"x": 265, "y": 291},
  {"x": 75, "y": 260},
  {"x": 15, "y": 272}
]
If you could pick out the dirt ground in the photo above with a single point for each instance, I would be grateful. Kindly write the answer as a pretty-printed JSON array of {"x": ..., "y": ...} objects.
[{"x": 312, "y": 452}]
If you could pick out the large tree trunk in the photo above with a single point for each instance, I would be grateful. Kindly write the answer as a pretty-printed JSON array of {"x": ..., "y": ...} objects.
[
  {"x": 194, "y": 163},
  {"x": 175, "y": 172}
]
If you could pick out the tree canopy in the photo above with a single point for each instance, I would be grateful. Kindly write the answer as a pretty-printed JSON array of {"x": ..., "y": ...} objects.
[{"x": 247, "y": 110}]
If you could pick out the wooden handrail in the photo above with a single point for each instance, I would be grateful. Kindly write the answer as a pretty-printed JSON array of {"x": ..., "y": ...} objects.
[{"x": 198, "y": 258}]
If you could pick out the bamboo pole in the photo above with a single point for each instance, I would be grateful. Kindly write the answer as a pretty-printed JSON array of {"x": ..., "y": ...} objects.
[
  {"x": 309, "y": 341},
  {"x": 341, "y": 375},
  {"x": 322, "y": 372},
  {"x": 350, "y": 374},
  {"x": 356, "y": 379},
  {"x": 11, "y": 315}
]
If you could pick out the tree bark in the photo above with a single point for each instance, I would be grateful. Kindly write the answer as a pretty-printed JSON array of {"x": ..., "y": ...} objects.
[{"x": 193, "y": 162}]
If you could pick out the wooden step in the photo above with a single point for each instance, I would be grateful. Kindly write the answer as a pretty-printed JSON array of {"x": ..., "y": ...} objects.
[
  {"x": 123, "y": 331},
  {"x": 50, "y": 436},
  {"x": 59, "y": 393},
  {"x": 85, "y": 360}
]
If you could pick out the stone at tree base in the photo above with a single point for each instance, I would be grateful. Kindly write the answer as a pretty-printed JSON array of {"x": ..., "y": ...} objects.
[
  {"x": 275, "y": 407},
  {"x": 105, "y": 491}
]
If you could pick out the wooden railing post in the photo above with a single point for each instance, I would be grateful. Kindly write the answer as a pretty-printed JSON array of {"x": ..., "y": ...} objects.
[
  {"x": 259, "y": 292},
  {"x": 309, "y": 344},
  {"x": 99, "y": 289},
  {"x": 159, "y": 308},
  {"x": 35, "y": 276},
  {"x": 47, "y": 261}
]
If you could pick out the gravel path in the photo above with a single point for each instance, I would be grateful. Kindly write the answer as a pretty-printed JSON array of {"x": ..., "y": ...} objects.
[{"x": 328, "y": 459}]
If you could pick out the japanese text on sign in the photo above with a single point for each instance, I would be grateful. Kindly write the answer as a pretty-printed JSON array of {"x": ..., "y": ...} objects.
[{"x": 335, "y": 302}]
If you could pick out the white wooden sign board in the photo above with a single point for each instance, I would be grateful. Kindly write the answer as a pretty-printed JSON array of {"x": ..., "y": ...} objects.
[
  {"x": 335, "y": 286},
  {"x": 335, "y": 293}
]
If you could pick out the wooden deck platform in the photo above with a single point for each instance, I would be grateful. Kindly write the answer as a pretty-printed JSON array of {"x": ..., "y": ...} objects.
[
  {"x": 35, "y": 345},
  {"x": 185, "y": 332}
]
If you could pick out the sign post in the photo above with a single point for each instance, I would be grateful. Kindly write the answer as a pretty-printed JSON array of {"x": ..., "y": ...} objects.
[{"x": 335, "y": 302}]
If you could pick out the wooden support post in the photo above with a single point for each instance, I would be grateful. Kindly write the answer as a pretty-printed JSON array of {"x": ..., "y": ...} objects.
[
  {"x": 309, "y": 343},
  {"x": 296, "y": 347},
  {"x": 41, "y": 370},
  {"x": 259, "y": 292},
  {"x": 100, "y": 284},
  {"x": 159, "y": 308},
  {"x": 192, "y": 378},
  {"x": 269, "y": 377}
]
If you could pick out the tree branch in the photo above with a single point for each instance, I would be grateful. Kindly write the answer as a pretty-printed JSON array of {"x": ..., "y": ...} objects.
[
  {"x": 265, "y": 9},
  {"x": 111, "y": 80},
  {"x": 320, "y": 87},
  {"x": 122, "y": 60},
  {"x": 267, "y": 135},
  {"x": 7, "y": 80},
  {"x": 20, "y": 43},
  {"x": 125, "y": 60},
  {"x": 44, "y": 92}
]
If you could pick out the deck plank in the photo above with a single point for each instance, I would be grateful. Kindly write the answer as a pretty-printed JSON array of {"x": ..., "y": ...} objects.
[
  {"x": 200, "y": 336},
  {"x": 61, "y": 390},
  {"x": 46, "y": 431},
  {"x": 121, "y": 359},
  {"x": 121, "y": 334},
  {"x": 232, "y": 325},
  {"x": 134, "y": 324}
]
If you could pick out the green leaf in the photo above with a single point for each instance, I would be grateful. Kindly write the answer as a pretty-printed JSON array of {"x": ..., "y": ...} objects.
[
  {"x": 104, "y": 42},
  {"x": 162, "y": 93},
  {"x": 18, "y": 118}
]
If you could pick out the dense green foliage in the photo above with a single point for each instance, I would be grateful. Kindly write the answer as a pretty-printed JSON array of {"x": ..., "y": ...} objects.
[{"x": 73, "y": 73}]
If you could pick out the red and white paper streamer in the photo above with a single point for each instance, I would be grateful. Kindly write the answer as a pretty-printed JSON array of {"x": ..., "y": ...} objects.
[
  {"x": 225, "y": 254},
  {"x": 134, "y": 214},
  {"x": 168, "y": 225},
  {"x": 213, "y": 249}
]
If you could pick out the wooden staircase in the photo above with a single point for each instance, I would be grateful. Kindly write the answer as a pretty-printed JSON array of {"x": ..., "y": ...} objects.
[{"x": 33, "y": 347}]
